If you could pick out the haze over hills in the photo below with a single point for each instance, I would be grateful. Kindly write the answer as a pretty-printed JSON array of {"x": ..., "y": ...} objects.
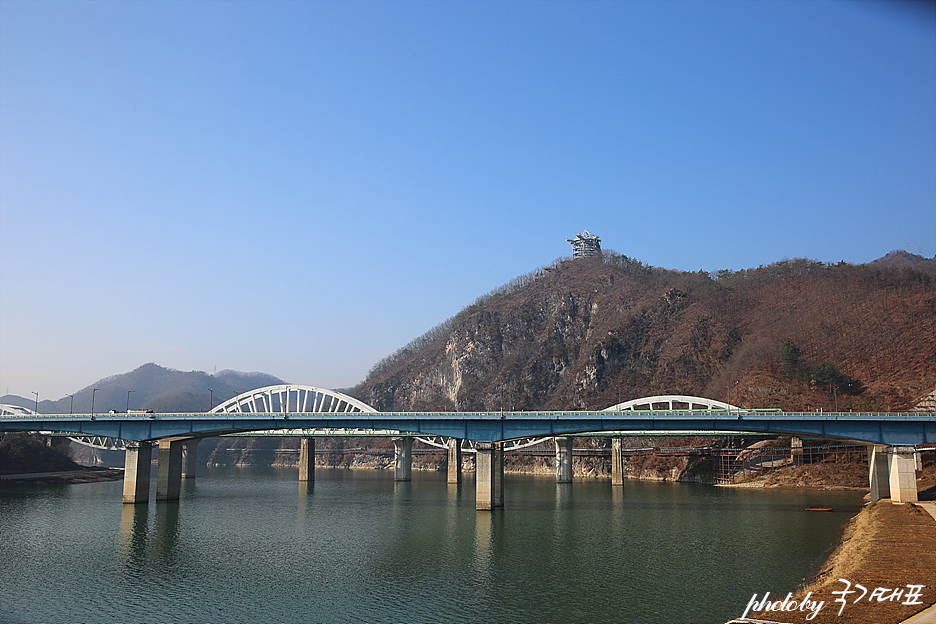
[
  {"x": 589, "y": 333},
  {"x": 154, "y": 387}
]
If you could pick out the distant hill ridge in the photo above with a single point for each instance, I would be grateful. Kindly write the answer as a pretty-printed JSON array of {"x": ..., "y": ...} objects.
[
  {"x": 157, "y": 388},
  {"x": 590, "y": 332},
  {"x": 898, "y": 258}
]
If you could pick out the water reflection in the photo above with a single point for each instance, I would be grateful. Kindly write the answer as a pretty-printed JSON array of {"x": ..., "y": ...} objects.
[
  {"x": 563, "y": 495},
  {"x": 188, "y": 487},
  {"x": 167, "y": 533},
  {"x": 306, "y": 488},
  {"x": 402, "y": 491},
  {"x": 131, "y": 540},
  {"x": 452, "y": 512},
  {"x": 483, "y": 548},
  {"x": 256, "y": 546}
]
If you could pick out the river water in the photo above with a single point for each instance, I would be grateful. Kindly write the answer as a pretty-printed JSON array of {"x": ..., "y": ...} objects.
[{"x": 253, "y": 545}]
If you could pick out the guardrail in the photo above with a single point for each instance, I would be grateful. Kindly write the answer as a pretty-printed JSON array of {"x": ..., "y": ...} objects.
[{"x": 492, "y": 415}]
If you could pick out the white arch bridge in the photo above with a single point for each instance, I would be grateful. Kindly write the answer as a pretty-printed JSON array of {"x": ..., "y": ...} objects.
[
  {"x": 316, "y": 411},
  {"x": 287, "y": 400}
]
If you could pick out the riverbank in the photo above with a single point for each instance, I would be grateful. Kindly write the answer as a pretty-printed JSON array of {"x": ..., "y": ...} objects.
[
  {"x": 84, "y": 475},
  {"x": 886, "y": 562}
]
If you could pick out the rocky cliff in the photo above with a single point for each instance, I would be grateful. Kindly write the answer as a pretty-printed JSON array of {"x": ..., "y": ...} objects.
[{"x": 590, "y": 333}]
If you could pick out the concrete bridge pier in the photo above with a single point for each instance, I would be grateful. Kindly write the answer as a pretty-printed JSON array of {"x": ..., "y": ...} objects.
[
  {"x": 137, "y": 460},
  {"x": 617, "y": 462},
  {"x": 878, "y": 472},
  {"x": 169, "y": 470},
  {"x": 454, "y": 461},
  {"x": 892, "y": 473},
  {"x": 307, "y": 459},
  {"x": 563, "y": 459},
  {"x": 189, "y": 462},
  {"x": 489, "y": 476},
  {"x": 498, "y": 474},
  {"x": 402, "y": 459},
  {"x": 903, "y": 463}
]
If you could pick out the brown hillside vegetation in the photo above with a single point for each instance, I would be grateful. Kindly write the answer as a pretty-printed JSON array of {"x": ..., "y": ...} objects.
[{"x": 591, "y": 332}]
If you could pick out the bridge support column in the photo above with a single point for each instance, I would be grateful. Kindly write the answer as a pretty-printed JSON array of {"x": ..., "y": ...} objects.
[
  {"x": 307, "y": 459},
  {"x": 137, "y": 460},
  {"x": 189, "y": 463},
  {"x": 454, "y": 461},
  {"x": 485, "y": 480},
  {"x": 402, "y": 459},
  {"x": 563, "y": 459},
  {"x": 878, "y": 472},
  {"x": 498, "y": 474},
  {"x": 903, "y": 487},
  {"x": 617, "y": 462},
  {"x": 169, "y": 470}
]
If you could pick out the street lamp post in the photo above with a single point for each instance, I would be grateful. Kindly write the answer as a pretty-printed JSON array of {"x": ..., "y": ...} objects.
[
  {"x": 37, "y": 401},
  {"x": 128, "y": 400},
  {"x": 92, "y": 402},
  {"x": 210, "y": 399},
  {"x": 71, "y": 408}
]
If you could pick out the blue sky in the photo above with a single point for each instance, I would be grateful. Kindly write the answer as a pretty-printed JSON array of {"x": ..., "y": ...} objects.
[{"x": 300, "y": 188}]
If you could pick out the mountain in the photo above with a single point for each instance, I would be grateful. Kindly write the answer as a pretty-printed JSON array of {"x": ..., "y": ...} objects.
[
  {"x": 154, "y": 387},
  {"x": 591, "y": 332},
  {"x": 898, "y": 258}
]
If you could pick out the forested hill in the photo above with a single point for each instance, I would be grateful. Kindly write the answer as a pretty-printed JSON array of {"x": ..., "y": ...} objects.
[{"x": 588, "y": 333}]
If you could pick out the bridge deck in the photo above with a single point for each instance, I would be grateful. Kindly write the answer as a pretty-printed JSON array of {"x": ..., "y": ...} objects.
[{"x": 892, "y": 428}]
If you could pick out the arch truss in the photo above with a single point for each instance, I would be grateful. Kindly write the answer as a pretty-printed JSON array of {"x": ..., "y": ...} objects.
[
  {"x": 668, "y": 403},
  {"x": 671, "y": 402},
  {"x": 293, "y": 399},
  {"x": 15, "y": 410}
]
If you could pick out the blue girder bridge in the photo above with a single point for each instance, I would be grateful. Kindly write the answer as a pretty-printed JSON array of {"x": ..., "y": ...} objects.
[
  {"x": 890, "y": 428},
  {"x": 304, "y": 407}
]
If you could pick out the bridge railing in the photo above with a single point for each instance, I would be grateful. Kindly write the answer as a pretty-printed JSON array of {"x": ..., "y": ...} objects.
[{"x": 494, "y": 415}]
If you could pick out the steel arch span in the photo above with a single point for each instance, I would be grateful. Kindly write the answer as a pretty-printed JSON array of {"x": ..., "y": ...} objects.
[
  {"x": 663, "y": 403},
  {"x": 15, "y": 410},
  {"x": 292, "y": 399},
  {"x": 672, "y": 402}
]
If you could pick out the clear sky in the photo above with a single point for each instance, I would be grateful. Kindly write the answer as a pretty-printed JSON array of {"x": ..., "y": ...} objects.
[{"x": 302, "y": 187}]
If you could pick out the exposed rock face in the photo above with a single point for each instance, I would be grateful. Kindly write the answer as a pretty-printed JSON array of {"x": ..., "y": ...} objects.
[
  {"x": 591, "y": 333},
  {"x": 926, "y": 404}
]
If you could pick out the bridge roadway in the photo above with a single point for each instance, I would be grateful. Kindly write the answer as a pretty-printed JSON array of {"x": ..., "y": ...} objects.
[
  {"x": 890, "y": 436},
  {"x": 888, "y": 428}
]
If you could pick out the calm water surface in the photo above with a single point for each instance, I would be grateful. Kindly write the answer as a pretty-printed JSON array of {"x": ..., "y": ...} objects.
[{"x": 253, "y": 545}]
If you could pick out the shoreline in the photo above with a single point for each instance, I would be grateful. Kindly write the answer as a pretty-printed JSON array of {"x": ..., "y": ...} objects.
[
  {"x": 64, "y": 477},
  {"x": 885, "y": 560}
]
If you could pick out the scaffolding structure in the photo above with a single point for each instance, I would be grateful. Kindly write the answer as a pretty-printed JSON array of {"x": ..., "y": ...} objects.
[
  {"x": 735, "y": 465},
  {"x": 584, "y": 245}
]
